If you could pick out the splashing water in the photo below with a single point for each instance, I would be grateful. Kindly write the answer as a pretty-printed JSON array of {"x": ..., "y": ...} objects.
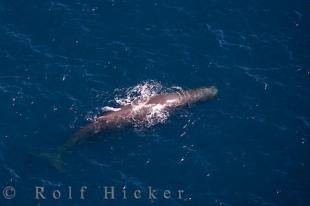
[
  {"x": 140, "y": 93},
  {"x": 138, "y": 96}
]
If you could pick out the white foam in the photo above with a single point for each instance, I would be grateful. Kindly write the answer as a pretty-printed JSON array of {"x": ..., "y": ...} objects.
[
  {"x": 110, "y": 109},
  {"x": 154, "y": 114},
  {"x": 138, "y": 96},
  {"x": 140, "y": 93}
]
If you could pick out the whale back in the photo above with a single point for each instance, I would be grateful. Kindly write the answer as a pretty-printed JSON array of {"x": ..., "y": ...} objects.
[
  {"x": 184, "y": 97},
  {"x": 164, "y": 98}
]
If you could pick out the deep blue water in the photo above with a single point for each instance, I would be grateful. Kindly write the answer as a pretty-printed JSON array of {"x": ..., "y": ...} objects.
[{"x": 61, "y": 61}]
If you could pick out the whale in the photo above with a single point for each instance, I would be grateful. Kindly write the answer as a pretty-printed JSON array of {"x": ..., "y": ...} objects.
[{"x": 127, "y": 115}]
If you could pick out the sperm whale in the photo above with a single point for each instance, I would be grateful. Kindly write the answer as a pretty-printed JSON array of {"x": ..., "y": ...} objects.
[{"x": 129, "y": 114}]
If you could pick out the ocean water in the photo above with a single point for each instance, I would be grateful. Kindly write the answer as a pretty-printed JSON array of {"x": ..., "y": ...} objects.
[{"x": 61, "y": 62}]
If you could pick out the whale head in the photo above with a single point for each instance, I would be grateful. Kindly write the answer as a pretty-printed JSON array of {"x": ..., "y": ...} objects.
[
  {"x": 200, "y": 94},
  {"x": 207, "y": 92}
]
